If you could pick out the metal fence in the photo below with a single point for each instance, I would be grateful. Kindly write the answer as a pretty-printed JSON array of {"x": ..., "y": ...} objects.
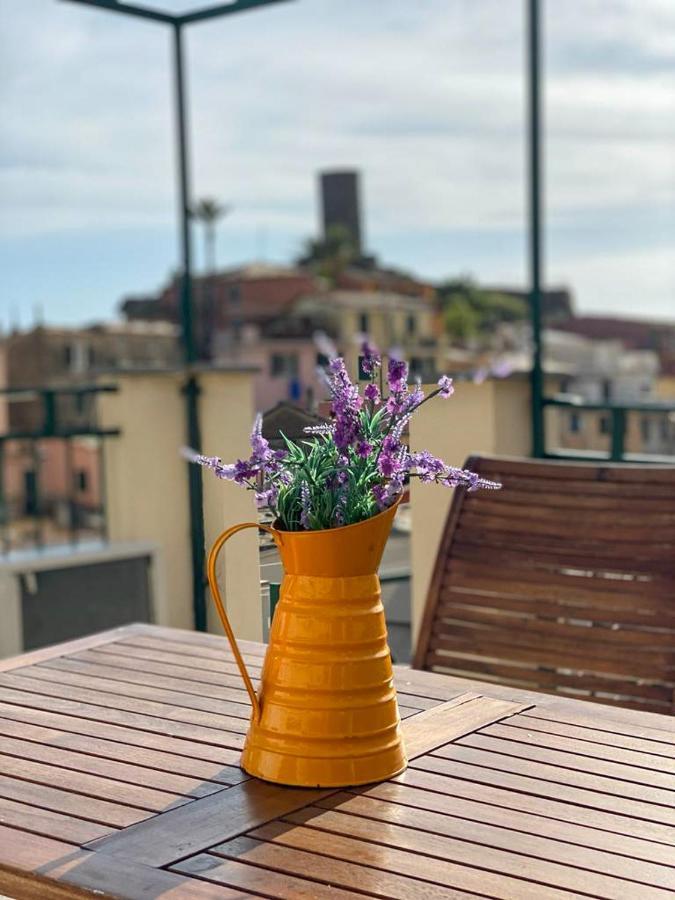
[{"x": 52, "y": 466}]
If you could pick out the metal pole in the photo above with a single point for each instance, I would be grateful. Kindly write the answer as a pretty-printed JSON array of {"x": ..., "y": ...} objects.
[
  {"x": 191, "y": 388},
  {"x": 535, "y": 224}
]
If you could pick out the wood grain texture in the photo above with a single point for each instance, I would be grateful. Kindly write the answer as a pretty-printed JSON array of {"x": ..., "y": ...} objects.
[
  {"x": 67, "y": 647},
  {"x": 178, "y": 833},
  {"x": 431, "y": 729},
  {"x": 39, "y": 868}
]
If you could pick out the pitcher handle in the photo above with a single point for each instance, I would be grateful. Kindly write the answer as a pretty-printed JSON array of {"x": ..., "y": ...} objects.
[{"x": 217, "y": 599}]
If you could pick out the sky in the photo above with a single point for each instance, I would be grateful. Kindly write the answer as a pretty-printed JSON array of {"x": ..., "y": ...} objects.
[{"x": 426, "y": 99}]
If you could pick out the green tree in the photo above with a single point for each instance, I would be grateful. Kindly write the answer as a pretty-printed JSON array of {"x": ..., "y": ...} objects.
[
  {"x": 330, "y": 255},
  {"x": 469, "y": 310},
  {"x": 460, "y": 319}
]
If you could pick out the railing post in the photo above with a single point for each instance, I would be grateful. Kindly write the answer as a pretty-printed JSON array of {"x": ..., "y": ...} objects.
[
  {"x": 49, "y": 404},
  {"x": 535, "y": 226},
  {"x": 618, "y": 434}
]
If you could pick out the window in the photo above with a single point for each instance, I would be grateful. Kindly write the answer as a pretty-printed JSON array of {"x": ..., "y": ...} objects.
[
  {"x": 284, "y": 365},
  {"x": 410, "y": 325},
  {"x": 665, "y": 428},
  {"x": 423, "y": 367},
  {"x": 364, "y": 322},
  {"x": 67, "y": 356},
  {"x": 322, "y": 360},
  {"x": 605, "y": 425},
  {"x": 646, "y": 429},
  {"x": 81, "y": 480},
  {"x": 575, "y": 423}
]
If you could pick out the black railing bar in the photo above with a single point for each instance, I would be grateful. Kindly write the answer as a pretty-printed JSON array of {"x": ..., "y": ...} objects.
[
  {"x": 142, "y": 12},
  {"x": 66, "y": 390},
  {"x": 607, "y": 406},
  {"x": 65, "y": 433},
  {"x": 222, "y": 9},
  {"x": 605, "y": 456}
]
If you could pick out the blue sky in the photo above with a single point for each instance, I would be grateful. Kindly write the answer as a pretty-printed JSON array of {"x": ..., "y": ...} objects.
[{"x": 427, "y": 100}]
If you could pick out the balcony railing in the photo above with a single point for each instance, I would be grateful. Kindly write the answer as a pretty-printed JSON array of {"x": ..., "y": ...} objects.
[
  {"x": 618, "y": 414},
  {"x": 52, "y": 466}
]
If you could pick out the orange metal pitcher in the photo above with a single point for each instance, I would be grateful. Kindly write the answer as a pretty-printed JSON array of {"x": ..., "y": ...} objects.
[{"x": 326, "y": 713}]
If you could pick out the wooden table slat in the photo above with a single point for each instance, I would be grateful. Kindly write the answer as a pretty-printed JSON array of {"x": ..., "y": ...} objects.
[
  {"x": 449, "y": 849},
  {"x": 557, "y": 737},
  {"x": 82, "y": 763},
  {"x": 65, "y": 719},
  {"x": 338, "y": 873},
  {"x": 373, "y": 866},
  {"x": 538, "y": 837},
  {"x": 434, "y": 727},
  {"x": 111, "y": 715},
  {"x": 547, "y": 771},
  {"x": 478, "y": 803},
  {"x": 52, "y": 824},
  {"x": 105, "y": 812},
  {"x": 566, "y": 758},
  {"x": 123, "y": 701},
  {"x": 269, "y": 883}
]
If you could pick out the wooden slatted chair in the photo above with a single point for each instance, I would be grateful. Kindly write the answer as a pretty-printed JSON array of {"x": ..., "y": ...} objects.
[{"x": 563, "y": 582}]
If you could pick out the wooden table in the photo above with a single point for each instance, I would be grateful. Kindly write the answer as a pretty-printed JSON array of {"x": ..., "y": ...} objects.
[{"x": 118, "y": 773}]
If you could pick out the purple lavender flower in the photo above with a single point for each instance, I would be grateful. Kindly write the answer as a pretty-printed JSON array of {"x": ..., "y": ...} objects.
[
  {"x": 214, "y": 463},
  {"x": 364, "y": 449},
  {"x": 386, "y": 494},
  {"x": 345, "y": 406},
  {"x": 471, "y": 480},
  {"x": 372, "y": 393},
  {"x": 388, "y": 465},
  {"x": 397, "y": 375},
  {"x": 340, "y": 509},
  {"x": 267, "y": 498},
  {"x": 306, "y": 504},
  {"x": 428, "y": 466},
  {"x": 446, "y": 387},
  {"x": 370, "y": 360},
  {"x": 319, "y": 429}
]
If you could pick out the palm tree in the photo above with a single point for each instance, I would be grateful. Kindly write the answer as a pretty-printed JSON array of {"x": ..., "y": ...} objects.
[{"x": 208, "y": 211}]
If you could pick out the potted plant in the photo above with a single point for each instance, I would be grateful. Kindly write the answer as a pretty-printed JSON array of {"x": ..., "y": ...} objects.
[{"x": 326, "y": 714}]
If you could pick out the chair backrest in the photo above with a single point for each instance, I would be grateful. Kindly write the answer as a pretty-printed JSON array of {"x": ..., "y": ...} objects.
[{"x": 563, "y": 582}]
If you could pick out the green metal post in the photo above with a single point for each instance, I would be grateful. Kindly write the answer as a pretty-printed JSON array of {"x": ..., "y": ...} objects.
[
  {"x": 274, "y": 599},
  {"x": 535, "y": 227},
  {"x": 49, "y": 404},
  {"x": 191, "y": 387},
  {"x": 618, "y": 434}
]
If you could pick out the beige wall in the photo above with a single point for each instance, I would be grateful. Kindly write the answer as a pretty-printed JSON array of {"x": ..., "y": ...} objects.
[
  {"x": 490, "y": 418},
  {"x": 227, "y": 413},
  {"x": 146, "y": 486}
]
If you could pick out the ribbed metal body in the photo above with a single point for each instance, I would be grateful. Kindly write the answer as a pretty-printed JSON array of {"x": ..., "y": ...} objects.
[{"x": 329, "y": 710}]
